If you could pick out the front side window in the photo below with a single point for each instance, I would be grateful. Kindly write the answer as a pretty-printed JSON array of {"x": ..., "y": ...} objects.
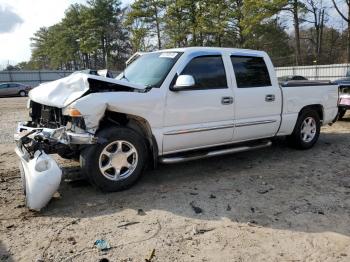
[
  {"x": 150, "y": 69},
  {"x": 250, "y": 71},
  {"x": 207, "y": 71}
]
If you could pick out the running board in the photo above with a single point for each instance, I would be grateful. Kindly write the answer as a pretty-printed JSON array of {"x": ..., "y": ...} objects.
[{"x": 207, "y": 154}]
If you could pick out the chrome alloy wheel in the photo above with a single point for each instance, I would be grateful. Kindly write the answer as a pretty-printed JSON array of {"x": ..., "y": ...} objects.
[
  {"x": 308, "y": 129},
  {"x": 118, "y": 160}
]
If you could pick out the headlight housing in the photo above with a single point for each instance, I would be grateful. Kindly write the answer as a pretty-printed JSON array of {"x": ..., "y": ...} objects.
[{"x": 72, "y": 112}]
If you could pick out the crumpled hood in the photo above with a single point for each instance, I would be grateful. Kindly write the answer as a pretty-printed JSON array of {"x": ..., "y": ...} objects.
[{"x": 62, "y": 92}]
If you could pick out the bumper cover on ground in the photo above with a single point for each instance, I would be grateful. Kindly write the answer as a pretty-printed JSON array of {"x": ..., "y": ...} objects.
[{"x": 41, "y": 177}]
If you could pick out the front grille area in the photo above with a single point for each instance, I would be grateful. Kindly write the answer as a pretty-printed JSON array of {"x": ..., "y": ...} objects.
[
  {"x": 47, "y": 116},
  {"x": 52, "y": 117}
]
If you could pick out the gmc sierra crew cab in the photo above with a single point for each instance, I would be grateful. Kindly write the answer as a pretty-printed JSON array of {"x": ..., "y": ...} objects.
[{"x": 170, "y": 106}]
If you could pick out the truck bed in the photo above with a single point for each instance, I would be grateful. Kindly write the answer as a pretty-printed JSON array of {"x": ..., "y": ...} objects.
[{"x": 298, "y": 94}]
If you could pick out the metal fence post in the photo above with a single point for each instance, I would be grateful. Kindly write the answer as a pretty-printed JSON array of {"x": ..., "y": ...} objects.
[
  {"x": 39, "y": 77},
  {"x": 10, "y": 75}
]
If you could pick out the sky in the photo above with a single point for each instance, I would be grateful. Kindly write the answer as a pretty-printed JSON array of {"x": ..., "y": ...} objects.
[{"x": 20, "y": 19}]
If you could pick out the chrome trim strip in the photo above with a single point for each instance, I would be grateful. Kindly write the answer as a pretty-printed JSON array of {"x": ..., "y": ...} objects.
[
  {"x": 256, "y": 123},
  {"x": 199, "y": 129},
  {"x": 179, "y": 159},
  {"x": 246, "y": 54}
]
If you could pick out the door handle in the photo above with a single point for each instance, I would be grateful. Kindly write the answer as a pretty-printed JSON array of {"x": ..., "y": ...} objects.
[
  {"x": 270, "y": 98},
  {"x": 227, "y": 100}
]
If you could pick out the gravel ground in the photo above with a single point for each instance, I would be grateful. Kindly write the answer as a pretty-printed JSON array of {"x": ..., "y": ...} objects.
[{"x": 275, "y": 204}]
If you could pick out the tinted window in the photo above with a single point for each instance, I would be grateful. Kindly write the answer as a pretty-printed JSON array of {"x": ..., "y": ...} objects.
[
  {"x": 208, "y": 72},
  {"x": 3, "y": 85},
  {"x": 250, "y": 71},
  {"x": 13, "y": 85}
]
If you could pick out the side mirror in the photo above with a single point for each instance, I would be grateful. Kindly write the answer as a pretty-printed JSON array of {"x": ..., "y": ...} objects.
[{"x": 183, "y": 82}]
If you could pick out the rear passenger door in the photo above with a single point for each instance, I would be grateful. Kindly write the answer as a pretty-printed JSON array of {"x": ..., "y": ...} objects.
[
  {"x": 258, "y": 99},
  {"x": 201, "y": 116}
]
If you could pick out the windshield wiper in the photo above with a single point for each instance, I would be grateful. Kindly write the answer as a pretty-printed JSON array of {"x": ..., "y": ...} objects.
[
  {"x": 124, "y": 76},
  {"x": 146, "y": 89}
]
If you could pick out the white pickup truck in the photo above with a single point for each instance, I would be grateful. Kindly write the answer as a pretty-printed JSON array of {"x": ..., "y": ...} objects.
[{"x": 170, "y": 106}]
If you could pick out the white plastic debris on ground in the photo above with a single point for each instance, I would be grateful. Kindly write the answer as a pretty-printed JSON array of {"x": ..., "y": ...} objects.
[{"x": 41, "y": 178}]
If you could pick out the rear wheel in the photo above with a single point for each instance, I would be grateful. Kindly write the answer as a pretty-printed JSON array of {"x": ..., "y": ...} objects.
[
  {"x": 306, "y": 130},
  {"x": 118, "y": 163}
]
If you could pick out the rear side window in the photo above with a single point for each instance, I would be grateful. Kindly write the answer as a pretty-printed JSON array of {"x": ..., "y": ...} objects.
[
  {"x": 250, "y": 71},
  {"x": 208, "y": 72}
]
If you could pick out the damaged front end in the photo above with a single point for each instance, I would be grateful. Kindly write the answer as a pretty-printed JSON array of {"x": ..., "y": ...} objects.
[
  {"x": 49, "y": 132},
  {"x": 58, "y": 128},
  {"x": 40, "y": 173}
]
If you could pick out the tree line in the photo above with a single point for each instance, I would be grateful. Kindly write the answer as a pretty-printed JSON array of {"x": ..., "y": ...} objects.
[{"x": 103, "y": 34}]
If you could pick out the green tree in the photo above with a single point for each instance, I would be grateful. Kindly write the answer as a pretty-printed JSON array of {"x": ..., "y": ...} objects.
[
  {"x": 138, "y": 33},
  {"x": 89, "y": 35},
  {"x": 346, "y": 18},
  {"x": 101, "y": 19},
  {"x": 316, "y": 12},
  {"x": 297, "y": 9},
  {"x": 40, "y": 48},
  {"x": 176, "y": 27},
  {"x": 149, "y": 14}
]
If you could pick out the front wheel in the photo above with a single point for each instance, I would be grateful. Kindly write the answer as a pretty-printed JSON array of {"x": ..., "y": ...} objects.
[
  {"x": 22, "y": 93},
  {"x": 116, "y": 164},
  {"x": 306, "y": 130}
]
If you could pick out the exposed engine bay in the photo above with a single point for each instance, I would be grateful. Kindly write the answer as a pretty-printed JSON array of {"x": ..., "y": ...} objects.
[{"x": 52, "y": 117}]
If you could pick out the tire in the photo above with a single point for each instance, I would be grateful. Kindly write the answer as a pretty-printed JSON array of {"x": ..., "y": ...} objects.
[
  {"x": 306, "y": 131},
  {"x": 341, "y": 113},
  {"x": 95, "y": 160},
  {"x": 22, "y": 93}
]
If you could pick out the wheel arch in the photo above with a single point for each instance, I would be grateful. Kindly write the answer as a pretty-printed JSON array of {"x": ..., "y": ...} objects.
[
  {"x": 136, "y": 123},
  {"x": 294, "y": 139},
  {"x": 22, "y": 90},
  {"x": 316, "y": 107}
]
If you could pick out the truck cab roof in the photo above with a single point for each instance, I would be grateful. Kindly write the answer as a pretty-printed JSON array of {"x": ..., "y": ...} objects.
[{"x": 238, "y": 51}]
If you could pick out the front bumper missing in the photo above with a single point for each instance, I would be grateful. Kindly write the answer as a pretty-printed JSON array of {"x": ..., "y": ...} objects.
[{"x": 41, "y": 175}]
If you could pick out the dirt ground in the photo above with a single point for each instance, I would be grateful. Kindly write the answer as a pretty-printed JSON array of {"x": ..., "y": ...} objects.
[{"x": 275, "y": 204}]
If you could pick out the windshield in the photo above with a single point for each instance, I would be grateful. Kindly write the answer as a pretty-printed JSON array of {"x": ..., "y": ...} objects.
[{"x": 151, "y": 69}]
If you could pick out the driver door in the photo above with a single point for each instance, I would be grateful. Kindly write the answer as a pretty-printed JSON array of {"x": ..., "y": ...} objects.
[{"x": 201, "y": 115}]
